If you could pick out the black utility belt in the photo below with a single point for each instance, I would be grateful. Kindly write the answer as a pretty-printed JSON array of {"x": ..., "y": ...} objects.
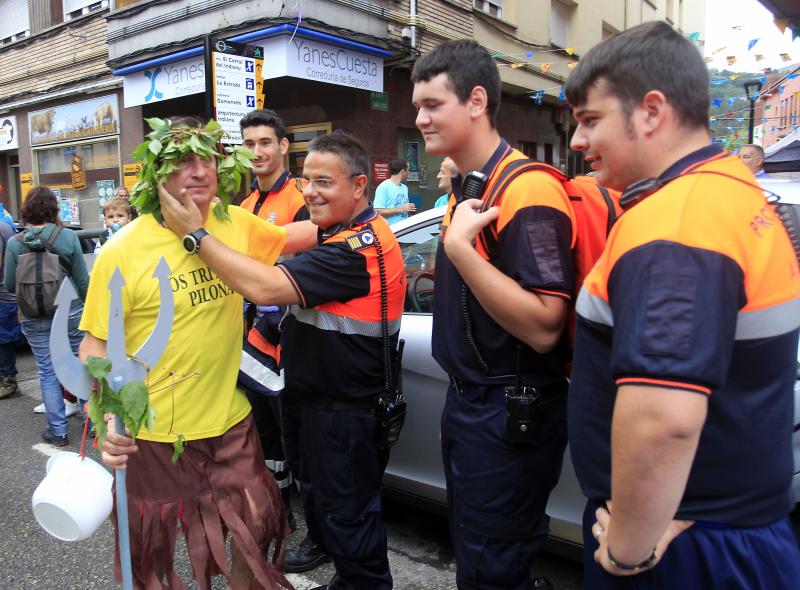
[
  {"x": 496, "y": 392},
  {"x": 323, "y": 402}
]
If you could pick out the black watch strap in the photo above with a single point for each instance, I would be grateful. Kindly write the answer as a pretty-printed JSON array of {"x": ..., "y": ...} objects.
[{"x": 191, "y": 242}]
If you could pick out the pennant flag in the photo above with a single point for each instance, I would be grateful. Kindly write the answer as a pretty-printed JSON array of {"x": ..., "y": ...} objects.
[
  {"x": 517, "y": 65},
  {"x": 772, "y": 130},
  {"x": 530, "y": 54},
  {"x": 570, "y": 50},
  {"x": 571, "y": 65},
  {"x": 562, "y": 95},
  {"x": 545, "y": 67},
  {"x": 764, "y": 120},
  {"x": 538, "y": 96},
  {"x": 716, "y": 103},
  {"x": 731, "y": 59},
  {"x": 786, "y": 57},
  {"x": 695, "y": 37},
  {"x": 752, "y": 43},
  {"x": 709, "y": 59},
  {"x": 767, "y": 107},
  {"x": 731, "y": 100},
  {"x": 718, "y": 50},
  {"x": 763, "y": 80},
  {"x": 758, "y": 57},
  {"x": 737, "y": 27},
  {"x": 496, "y": 54},
  {"x": 781, "y": 89},
  {"x": 721, "y": 82},
  {"x": 792, "y": 76},
  {"x": 781, "y": 23},
  {"x": 712, "y": 121},
  {"x": 734, "y": 77},
  {"x": 729, "y": 115},
  {"x": 740, "y": 119}
]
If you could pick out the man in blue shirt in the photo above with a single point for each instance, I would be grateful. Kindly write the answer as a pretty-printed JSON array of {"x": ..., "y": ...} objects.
[
  {"x": 391, "y": 196},
  {"x": 753, "y": 157}
]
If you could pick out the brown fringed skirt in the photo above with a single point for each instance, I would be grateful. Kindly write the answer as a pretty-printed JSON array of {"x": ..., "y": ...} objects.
[{"x": 218, "y": 486}]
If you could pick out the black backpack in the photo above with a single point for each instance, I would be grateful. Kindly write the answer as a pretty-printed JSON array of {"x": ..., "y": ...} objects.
[{"x": 38, "y": 278}]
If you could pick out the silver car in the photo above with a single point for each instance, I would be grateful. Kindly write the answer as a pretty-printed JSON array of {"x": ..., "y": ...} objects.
[{"x": 415, "y": 470}]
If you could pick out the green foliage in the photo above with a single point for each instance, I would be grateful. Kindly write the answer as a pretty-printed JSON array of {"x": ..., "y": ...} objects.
[
  {"x": 166, "y": 146},
  {"x": 132, "y": 402},
  {"x": 178, "y": 445}
]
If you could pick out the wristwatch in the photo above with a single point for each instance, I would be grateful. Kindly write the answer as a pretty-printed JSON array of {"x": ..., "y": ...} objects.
[{"x": 191, "y": 242}]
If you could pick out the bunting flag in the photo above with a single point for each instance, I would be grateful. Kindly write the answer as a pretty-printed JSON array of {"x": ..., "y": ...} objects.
[
  {"x": 530, "y": 54},
  {"x": 737, "y": 27},
  {"x": 718, "y": 50},
  {"x": 716, "y": 103},
  {"x": 734, "y": 77},
  {"x": 545, "y": 67},
  {"x": 562, "y": 94},
  {"x": 758, "y": 57},
  {"x": 694, "y": 37},
  {"x": 538, "y": 96},
  {"x": 752, "y": 43},
  {"x": 722, "y": 82},
  {"x": 781, "y": 23},
  {"x": 792, "y": 76},
  {"x": 781, "y": 89},
  {"x": 731, "y": 100},
  {"x": 570, "y": 50},
  {"x": 709, "y": 59},
  {"x": 785, "y": 57},
  {"x": 517, "y": 65},
  {"x": 731, "y": 59},
  {"x": 571, "y": 65},
  {"x": 763, "y": 80},
  {"x": 767, "y": 107}
]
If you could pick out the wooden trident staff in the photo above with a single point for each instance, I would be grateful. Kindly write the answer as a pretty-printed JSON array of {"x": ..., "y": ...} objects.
[{"x": 74, "y": 376}]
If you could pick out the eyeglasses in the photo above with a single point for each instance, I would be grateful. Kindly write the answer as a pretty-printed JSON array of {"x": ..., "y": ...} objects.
[{"x": 324, "y": 184}]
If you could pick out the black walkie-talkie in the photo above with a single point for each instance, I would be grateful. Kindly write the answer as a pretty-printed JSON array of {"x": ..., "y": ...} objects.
[
  {"x": 522, "y": 409},
  {"x": 473, "y": 184}
]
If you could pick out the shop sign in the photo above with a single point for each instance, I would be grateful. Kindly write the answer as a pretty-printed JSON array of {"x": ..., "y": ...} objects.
[
  {"x": 380, "y": 170},
  {"x": 236, "y": 69},
  {"x": 379, "y": 101},
  {"x": 130, "y": 175},
  {"x": 165, "y": 82},
  {"x": 312, "y": 60},
  {"x": 78, "y": 173},
  {"x": 25, "y": 184},
  {"x": 8, "y": 133},
  {"x": 78, "y": 120}
]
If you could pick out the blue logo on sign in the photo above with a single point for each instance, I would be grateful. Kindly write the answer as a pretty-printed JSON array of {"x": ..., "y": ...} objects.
[
  {"x": 152, "y": 75},
  {"x": 251, "y": 101},
  {"x": 250, "y": 84},
  {"x": 248, "y": 66}
]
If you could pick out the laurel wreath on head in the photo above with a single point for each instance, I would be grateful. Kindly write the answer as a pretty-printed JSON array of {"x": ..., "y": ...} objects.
[{"x": 167, "y": 145}]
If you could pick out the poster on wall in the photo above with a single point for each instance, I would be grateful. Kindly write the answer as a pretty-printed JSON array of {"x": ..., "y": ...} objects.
[
  {"x": 412, "y": 156},
  {"x": 70, "y": 213},
  {"x": 8, "y": 133},
  {"x": 77, "y": 120},
  {"x": 105, "y": 190},
  {"x": 25, "y": 184},
  {"x": 130, "y": 175},
  {"x": 78, "y": 173}
]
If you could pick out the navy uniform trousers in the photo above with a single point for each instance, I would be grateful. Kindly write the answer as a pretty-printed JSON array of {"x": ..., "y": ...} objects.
[
  {"x": 707, "y": 557},
  {"x": 497, "y": 491},
  {"x": 340, "y": 483}
]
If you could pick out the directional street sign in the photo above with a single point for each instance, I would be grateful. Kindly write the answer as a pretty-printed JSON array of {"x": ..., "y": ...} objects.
[{"x": 237, "y": 84}]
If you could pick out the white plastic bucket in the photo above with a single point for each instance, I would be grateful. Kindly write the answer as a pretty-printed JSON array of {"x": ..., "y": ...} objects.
[{"x": 74, "y": 498}]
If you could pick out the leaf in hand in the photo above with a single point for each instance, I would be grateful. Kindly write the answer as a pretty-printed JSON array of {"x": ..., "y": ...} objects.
[
  {"x": 134, "y": 401},
  {"x": 97, "y": 415},
  {"x": 98, "y": 367}
]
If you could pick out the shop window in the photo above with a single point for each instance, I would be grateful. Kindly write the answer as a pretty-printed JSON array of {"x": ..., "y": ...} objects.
[
  {"x": 491, "y": 7},
  {"x": 15, "y": 23},
  {"x": 299, "y": 137},
  {"x": 100, "y": 161}
]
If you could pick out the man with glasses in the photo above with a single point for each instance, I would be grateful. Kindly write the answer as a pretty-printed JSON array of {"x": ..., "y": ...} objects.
[{"x": 335, "y": 354}]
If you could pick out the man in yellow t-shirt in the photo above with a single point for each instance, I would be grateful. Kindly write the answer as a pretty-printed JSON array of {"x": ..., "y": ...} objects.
[{"x": 221, "y": 473}]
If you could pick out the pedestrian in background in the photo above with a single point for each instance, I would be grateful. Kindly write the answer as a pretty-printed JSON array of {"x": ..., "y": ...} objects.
[
  {"x": 391, "y": 196},
  {"x": 10, "y": 333},
  {"x": 681, "y": 399},
  {"x": 40, "y": 214},
  {"x": 753, "y": 157},
  {"x": 447, "y": 171}
]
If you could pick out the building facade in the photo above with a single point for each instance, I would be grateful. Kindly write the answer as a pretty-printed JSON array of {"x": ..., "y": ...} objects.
[{"x": 82, "y": 76}]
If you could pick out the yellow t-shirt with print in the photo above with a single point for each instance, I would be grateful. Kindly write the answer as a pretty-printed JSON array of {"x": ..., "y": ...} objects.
[{"x": 193, "y": 386}]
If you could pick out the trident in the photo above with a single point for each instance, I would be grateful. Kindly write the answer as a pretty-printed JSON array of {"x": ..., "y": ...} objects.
[{"x": 73, "y": 375}]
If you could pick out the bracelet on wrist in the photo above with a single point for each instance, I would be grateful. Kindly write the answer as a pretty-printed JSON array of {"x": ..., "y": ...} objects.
[{"x": 628, "y": 567}]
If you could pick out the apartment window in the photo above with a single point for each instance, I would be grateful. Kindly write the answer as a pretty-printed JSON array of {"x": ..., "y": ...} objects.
[
  {"x": 15, "y": 24},
  {"x": 493, "y": 7},
  {"x": 77, "y": 8},
  {"x": 560, "y": 18},
  {"x": 528, "y": 148}
]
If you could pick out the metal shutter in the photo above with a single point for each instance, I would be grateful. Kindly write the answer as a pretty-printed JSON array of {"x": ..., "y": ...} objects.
[{"x": 15, "y": 18}]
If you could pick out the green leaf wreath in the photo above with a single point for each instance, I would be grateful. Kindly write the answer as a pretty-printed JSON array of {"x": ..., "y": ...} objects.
[{"x": 167, "y": 145}]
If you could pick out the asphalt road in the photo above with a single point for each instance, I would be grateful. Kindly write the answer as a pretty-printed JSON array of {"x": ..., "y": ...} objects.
[{"x": 420, "y": 554}]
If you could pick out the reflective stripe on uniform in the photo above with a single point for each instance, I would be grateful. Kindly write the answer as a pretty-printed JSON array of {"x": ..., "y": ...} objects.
[{"x": 325, "y": 320}]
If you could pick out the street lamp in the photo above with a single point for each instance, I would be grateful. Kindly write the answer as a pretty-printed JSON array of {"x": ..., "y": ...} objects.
[{"x": 752, "y": 97}]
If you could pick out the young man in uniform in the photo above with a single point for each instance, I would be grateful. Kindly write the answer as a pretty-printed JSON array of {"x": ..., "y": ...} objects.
[
  {"x": 335, "y": 358},
  {"x": 680, "y": 411},
  {"x": 495, "y": 323},
  {"x": 391, "y": 196},
  {"x": 277, "y": 197},
  {"x": 220, "y": 478}
]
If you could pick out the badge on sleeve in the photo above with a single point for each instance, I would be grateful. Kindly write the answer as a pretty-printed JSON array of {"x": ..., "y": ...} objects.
[{"x": 361, "y": 240}]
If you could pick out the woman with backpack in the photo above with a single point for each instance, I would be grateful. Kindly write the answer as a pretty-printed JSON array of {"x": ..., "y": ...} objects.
[{"x": 36, "y": 260}]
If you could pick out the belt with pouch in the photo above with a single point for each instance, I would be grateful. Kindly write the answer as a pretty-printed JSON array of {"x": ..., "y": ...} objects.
[{"x": 330, "y": 404}]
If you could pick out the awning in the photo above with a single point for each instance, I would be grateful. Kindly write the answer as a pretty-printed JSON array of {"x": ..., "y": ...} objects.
[{"x": 784, "y": 156}]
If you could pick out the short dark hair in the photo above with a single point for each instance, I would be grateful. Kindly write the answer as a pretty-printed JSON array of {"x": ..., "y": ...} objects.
[
  {"x": 347, "y": 147},
  {"x": 758, "y": 149},
  {"x": 265, "y": 117},
  {"x": 467, "y": 65},
  {"x": 40, "y": 206},
  {"x": 651, "y": 56},
  {"x": 397, "y": 165}
]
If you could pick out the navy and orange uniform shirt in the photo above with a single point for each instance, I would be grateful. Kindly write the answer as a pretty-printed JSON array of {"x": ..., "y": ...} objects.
[
  {"x": 334, "y": 345},
  {"x": 535, "y": 238},
  {"x": 697, "y": 290},
  {"x": 282, "y": 204}
]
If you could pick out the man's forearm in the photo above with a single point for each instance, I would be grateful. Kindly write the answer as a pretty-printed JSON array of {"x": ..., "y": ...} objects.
[
  {"x": 390, "y": 212},
  {"x": 655, "y": 432},
  {"x": 536, "y": 320}
]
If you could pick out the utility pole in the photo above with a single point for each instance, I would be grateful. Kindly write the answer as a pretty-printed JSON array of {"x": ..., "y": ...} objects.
[{"x": 752, "y": 97}]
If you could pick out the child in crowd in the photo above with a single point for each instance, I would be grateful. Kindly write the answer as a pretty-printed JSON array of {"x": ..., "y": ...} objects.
[{"x": 116, "y": 213}]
